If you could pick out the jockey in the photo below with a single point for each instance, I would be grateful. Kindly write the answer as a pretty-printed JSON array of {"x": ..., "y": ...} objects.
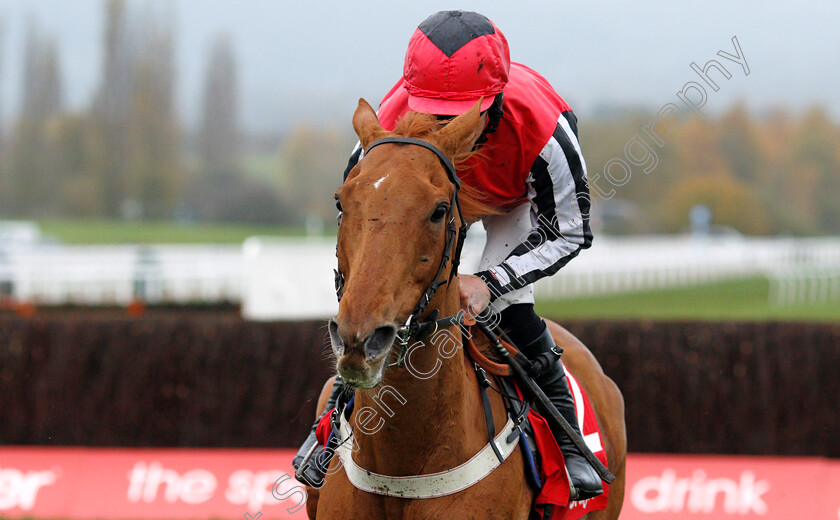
[{"x": 530, "y": 168}]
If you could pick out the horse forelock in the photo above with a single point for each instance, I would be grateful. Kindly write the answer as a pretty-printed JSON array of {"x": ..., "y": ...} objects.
[{"x": 474, "y": 203}]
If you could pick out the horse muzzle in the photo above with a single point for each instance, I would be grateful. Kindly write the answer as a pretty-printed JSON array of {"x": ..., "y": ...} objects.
[{"x": 361, "y": 362}]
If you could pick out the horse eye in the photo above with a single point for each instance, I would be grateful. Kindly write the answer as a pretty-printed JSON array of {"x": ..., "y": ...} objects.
[
  {"x": 338, "y": 205},
  {"x": 439, "y": 213}
]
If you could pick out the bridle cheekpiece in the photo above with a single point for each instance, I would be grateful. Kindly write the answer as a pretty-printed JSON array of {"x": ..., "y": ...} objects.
[{"x": 415, "y": 326}]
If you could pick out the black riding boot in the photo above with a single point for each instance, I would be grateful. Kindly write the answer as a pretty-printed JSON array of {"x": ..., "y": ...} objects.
[
  {"x": 312, "y": 459},
  {"x": 585, "y": 482}
]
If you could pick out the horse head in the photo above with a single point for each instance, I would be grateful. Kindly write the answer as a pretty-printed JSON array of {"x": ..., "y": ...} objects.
[{"x": 395, "y": 206}]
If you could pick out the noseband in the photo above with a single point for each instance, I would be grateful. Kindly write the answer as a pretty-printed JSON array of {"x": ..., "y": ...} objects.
[{"x": 414, "y": 326}]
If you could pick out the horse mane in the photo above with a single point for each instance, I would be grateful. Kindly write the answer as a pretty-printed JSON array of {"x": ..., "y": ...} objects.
[{"x": 474, "y": 203}]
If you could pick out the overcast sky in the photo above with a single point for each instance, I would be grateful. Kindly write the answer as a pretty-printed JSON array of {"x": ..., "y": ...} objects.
[{"x": 313, "y": 60}]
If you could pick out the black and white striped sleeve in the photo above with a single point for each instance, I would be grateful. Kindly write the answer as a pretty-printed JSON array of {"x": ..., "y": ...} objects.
[
  {"x": 355, "y": 157},
  {"x": 560, "y": 206}
]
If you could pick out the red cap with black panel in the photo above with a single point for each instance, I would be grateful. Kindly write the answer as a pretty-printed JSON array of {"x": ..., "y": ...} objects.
[{"x": 454, "y": 58}]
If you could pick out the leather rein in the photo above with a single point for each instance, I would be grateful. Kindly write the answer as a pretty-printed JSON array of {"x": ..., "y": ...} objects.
[{"x": 414, "y": 326}]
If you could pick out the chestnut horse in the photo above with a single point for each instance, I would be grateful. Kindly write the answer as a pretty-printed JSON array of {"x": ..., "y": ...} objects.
[{"x": 390, "y": 247}]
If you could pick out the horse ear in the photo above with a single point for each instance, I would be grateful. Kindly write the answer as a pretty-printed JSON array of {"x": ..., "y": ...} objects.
[
  {"x": 366, "y": 124},
  {"x": 460, "y": 135}
]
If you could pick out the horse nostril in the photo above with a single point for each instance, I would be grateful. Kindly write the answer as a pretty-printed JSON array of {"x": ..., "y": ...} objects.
[
  {"x": 380, "y": 341},
  {"x": 335, "y": 338}
]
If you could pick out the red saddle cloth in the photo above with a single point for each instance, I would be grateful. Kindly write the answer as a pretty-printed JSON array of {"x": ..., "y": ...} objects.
[
  {"x": 322, "y": 432},
  {"x": 555, "y": 490}
]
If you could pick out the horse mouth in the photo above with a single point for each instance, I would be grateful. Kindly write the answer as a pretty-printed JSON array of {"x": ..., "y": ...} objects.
[{"x": 364, "y": 374}]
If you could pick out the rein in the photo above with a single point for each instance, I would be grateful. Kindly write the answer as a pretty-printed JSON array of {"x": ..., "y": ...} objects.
[
  {"x": 497, "y": 369},
  {"x": 414, "y": 326}
]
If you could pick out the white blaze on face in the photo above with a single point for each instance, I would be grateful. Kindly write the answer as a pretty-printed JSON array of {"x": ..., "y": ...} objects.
[{"x": 377, "y": 183}]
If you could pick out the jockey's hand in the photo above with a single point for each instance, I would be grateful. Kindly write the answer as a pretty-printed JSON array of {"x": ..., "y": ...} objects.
[{"x": 475, "y": 296}]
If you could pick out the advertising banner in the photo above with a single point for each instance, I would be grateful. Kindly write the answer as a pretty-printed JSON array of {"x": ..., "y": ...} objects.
[{"x": 84, "y": 483}]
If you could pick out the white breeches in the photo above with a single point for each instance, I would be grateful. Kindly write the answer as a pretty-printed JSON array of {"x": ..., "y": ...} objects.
[{"x": 504, "y": 232}]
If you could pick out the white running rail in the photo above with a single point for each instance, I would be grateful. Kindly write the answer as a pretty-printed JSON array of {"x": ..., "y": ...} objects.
[{"x": 292, "y": 277}]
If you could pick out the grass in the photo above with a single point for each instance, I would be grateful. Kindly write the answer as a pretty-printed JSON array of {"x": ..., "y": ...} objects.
[
  {"x": 744, "y": 299},
  {"x": 118, "y": 232}
]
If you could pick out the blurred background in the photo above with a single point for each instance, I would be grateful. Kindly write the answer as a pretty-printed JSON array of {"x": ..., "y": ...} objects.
[{"x": 167, "y": 223}]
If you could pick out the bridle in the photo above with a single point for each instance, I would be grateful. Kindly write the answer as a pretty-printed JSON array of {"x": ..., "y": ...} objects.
[
  {"x": 414, "y": 326},
  {"x": 499, "y": 447}
]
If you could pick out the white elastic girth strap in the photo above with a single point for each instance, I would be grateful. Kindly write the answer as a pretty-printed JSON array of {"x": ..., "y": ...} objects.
[{"x": 432, "y": 485}]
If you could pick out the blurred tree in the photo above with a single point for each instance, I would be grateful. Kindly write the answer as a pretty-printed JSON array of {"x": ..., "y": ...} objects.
[
  {"x": 2, "y": 121},
  {"x": 139, "y": 166},
  {"x": 35, "y": 169},
  {"x": 775, "y": 133},
  {"x": 41, "y": 87},
  {"x": 219, "y": 134},
  {"x": 79, "y": 149},
  {"x": 229, "y": 198},
  {"x": 630, "y": 210},
  {"x": 738, "y": 143},
  {"x": 5, "y": 181},
  {"x": 112, "y": 105},
  {"x": 312, "y": 162},
  {"x": 698, "y": 149},
  {"x": 816, "y": 149},
  {"x": 732, "y": 202},
  {"x": 124, "y": 155},
  {"x": 219, "y": 190},
  {"x": 154, "y": 174}
]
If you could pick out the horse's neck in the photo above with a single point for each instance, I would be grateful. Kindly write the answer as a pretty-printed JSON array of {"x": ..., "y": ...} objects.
[{"x": 417, "y": 423}]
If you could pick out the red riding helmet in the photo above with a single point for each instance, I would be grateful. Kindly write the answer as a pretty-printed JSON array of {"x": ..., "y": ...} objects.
[{"x": 453, "y": 59}]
